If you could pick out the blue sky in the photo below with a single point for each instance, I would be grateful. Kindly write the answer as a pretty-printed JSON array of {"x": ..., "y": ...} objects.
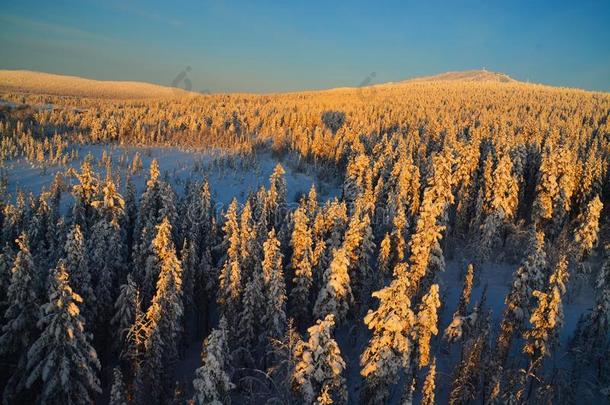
[{"x": 267, "y": 46}]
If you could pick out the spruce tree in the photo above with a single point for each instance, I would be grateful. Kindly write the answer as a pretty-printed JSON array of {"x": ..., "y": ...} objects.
[
  {"x": 62, "y": 357},
  {"x": 300, "y": 265},
  {"x": 390, "y": 346},
  {"x": 319, "y": 368},
  {"x": 274, "y": 319},
  {"x": 78, "y": 269},
  {"x": 427, "y": 323},
  {"x": 118, "y": 392},
  {"x": 20, "y": 319},
  {"x": 212, "y": 381},
  {"x": 163, "y": 317}
]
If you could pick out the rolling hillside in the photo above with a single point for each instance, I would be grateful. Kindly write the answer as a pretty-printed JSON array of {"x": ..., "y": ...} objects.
[{"x": 24, "y": 81}]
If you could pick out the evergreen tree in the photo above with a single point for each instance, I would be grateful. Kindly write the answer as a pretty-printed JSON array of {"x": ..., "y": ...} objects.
[
  {"x": 20, "y": 319},
  {"x": 319, "y": 367},
  {"x": 249, "y": 327},
  {"x": 277, "y": 197},
  {"x": 336, "y": 295},
  {"x": 212, "y": 382},
  {"x": 586, "y": 233},
  {"x": 118, "y": 393},
  {"x": 85, "y": 193},
  {"x": 389, "y": 349},
  {"x": 274, "y": 319},
  {"x": 78, "y": 269},
  {"x": 230, "y": 278},
  {"x": 163, "y": 317},
  {"x": 300, "y": 264},
  {"x": 427, "y": 321},
  {"x": 429, "y": 385},
  {"x": 62, "y": 357},
  {"x": 546, "y": 318},
  {"x": 125, "y": 309}
]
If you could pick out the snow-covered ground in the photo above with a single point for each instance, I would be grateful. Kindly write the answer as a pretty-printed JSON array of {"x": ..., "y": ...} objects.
[{"x": 229, "y": 176}]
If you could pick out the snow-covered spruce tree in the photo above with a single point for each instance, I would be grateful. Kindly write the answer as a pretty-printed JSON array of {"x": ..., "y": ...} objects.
[
  {"x": 20, "y": 319},
  {"x": 319, "y": 367},
  {"x": 249, "y": 326},
  {"x": 118, "y": 392},
  {"x": 427, "y": 323},
  {"x": 355, "y": 178},
  {"x": 251, "y": 253},
  {"x": 156, "y": 203},
  {"x": 546, "y": 319},
  {"x": 85, "y": 193},
  {"x": 429, "y": 385},
  {"x": 300, "y": 264},
  {"x": 38, "y": 230},
  {"x": 335, "y": 296},
  {"x": 75, "y": 253},
  {"x": 274, "y": 319},
  {"x": 461, "y": 319},
  {"x": 62, "y": 357},
  {"x": 466, "y": 290},
  {"x": 107, "y": 256},
  {"x": 212, "y": 381},
  {"x": 591, "y": 341},
  {"x": 163, "y": 317},
  {"x": 398, "y": 235},
  {"x": 467, "y": 375},
  {"x": 437, "y": 196},
  {"x": 230, "y": 277},
  {"x": 277, "y": 198},
  {"x": 555, "y": 188},
  {"x": 503, "y": 197},
  {"x": 389, "y": 349},
  {"x": 528, "y": 278},
  {"x": 125, "y": 310},
  {"x": 384, "y": 256},
  {"x": 586, "y": 233},
  {"x": 131, "y": 213}
]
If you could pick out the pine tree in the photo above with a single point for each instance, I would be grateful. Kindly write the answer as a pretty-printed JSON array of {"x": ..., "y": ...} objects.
[
  {"x": 212, "y": 382},
  {"x": 20, "y": 319},
  {"x": 62, "y": 357},
  {"x": 319, "y": 367},
  {"x": 118, "y": 393},
  {"x": 429, "y": 385}
]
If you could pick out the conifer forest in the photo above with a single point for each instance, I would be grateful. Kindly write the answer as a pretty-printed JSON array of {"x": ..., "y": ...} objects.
[{"x": 434, "y": 241}]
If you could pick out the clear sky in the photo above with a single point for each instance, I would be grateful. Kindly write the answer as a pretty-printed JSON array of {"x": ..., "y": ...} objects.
[{"x": 266, "y": 46}]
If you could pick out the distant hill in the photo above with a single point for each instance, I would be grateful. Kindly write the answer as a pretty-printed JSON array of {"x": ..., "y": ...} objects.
[
  {"x": 25, "y": 81},
  {"x": 467, "y": 76}
]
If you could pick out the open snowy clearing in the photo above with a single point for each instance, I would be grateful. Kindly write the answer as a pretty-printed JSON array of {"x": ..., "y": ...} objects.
[{"x": 229, "y": 176}]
